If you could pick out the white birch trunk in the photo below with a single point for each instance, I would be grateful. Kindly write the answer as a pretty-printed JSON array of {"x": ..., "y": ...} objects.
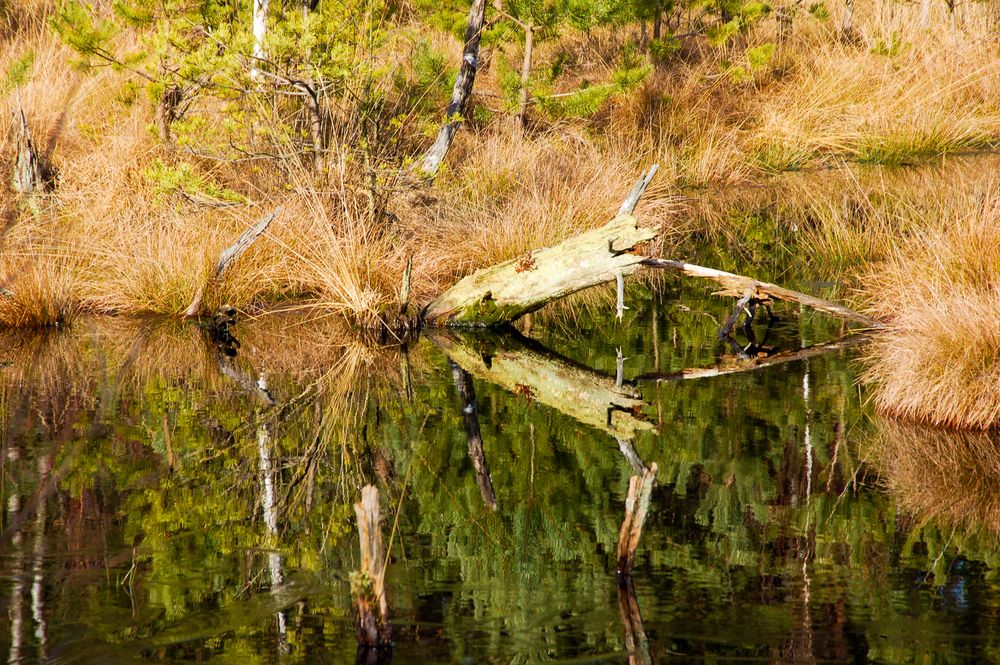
[{"x": 260, "y": 8}]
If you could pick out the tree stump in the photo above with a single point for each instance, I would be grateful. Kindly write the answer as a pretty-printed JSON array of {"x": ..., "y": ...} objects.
[
  {"x": 368, "y": 583},
  {"x": 28, "y": 177}
]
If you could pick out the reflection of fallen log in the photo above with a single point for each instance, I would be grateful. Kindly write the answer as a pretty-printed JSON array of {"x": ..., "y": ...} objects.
[
  {"x": 524, "y": 368},
  {"x": 747, "y": 287},
  {"x": 734, "y": 364}
]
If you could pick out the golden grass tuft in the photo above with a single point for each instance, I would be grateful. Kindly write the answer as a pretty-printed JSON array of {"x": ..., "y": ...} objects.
[
  {"x": 939, "y": 360},
  {"x": 36, "y": 293}
]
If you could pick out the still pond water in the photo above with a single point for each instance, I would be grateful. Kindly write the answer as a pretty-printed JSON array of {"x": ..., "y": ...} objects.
[{"x": 160, "y": 505}]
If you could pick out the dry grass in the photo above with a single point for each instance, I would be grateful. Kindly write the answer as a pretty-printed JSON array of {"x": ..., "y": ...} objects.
[
  {"x": 109, "y": 241},
  {"x": 939, "y": 361}
]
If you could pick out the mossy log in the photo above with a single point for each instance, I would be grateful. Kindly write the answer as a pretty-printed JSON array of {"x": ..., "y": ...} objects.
[
  {"x": 504, "y": 292},
  {"x": 519, "y": 367}
]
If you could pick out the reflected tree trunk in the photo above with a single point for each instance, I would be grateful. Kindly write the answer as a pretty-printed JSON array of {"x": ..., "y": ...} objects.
[
  {"x": 15, "y": 613},
  {"x": 269, "y": 506},
  {"x": 627, "y": 446},
  {"x": 38, "y": 579},
  {"x": 470, "y": 417},
  {"x": 636, "y": 641},
  {"x": 636, "y": 508}
]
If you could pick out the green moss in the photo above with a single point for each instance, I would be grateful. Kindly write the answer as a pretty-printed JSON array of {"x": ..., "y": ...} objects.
[{"x": 487, "y": 313}]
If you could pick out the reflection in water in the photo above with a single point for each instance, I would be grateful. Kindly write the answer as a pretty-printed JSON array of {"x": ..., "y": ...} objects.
[
  {"x": 942, "y": 476},
  {"x": 38, "y": 572},
  {"x": 15, "y": 611},
  {"x": 470, "y": 418},
  {"x": 186, "y": 509}
]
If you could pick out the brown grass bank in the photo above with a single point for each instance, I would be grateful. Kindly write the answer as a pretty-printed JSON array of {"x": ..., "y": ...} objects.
[{"x": 939, "y": 360}]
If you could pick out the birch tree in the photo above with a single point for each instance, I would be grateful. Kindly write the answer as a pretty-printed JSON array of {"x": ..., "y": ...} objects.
[{"x": 460, "y": 92}]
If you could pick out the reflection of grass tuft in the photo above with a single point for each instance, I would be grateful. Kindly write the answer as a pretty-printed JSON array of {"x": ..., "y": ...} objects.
[{"x": 939, "y": 475}]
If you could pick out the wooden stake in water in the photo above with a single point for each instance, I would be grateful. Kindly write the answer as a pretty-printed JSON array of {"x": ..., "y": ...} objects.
[
  {"x": 640, "y": 487},
  {"x": 368, "y": 583}
]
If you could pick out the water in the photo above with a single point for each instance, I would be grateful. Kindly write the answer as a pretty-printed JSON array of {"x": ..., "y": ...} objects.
[{"x": 161, "y": 503}]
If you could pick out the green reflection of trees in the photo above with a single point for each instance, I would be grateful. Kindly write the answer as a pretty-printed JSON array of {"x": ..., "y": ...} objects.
[{"x": 766, "y": 535}]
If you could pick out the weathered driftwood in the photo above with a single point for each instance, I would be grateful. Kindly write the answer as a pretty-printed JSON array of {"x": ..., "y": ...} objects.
[
  {"x": 460, "y": 92},
  {"x": 504, "y": 292},
  {"x": 640, "y": 487},
  {"x": 470, "y": 417},
  {"x": 739, "y": 286},
  {"x": 580, "y": 393},
  {"x": 368, "y": 583},
  {"x": 28, "y": 169},
  {"x": 734, "y": 364},
  {"x": 229, "y": 256}
]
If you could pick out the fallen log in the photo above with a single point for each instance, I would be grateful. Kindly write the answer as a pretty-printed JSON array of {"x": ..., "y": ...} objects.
[
  {"x": 740, "y": 286},
  {"x": 500, "y": 294},
  {"x": 504, "y": 292},
  {"x": 227, "y": 258},
  {"x": 522, "y": 368}
]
